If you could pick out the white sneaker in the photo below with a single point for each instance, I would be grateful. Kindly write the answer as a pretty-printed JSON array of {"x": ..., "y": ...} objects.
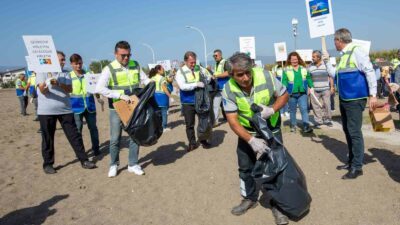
[
  {"x": 287, "y": 114},
  {"x": 166, "y": 129},
  {"x": 113, "y": 171},
  {"x": 136, "y": 169}
]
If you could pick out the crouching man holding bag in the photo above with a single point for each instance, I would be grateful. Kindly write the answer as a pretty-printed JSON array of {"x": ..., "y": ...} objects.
[{"x": 248, "y": 85}]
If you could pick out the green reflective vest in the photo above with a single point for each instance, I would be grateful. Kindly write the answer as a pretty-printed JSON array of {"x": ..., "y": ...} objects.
[
  {"x": 263, "y": 93},
  {"x": 80, "y": 99},
  {"x": 290, "y": 77}
]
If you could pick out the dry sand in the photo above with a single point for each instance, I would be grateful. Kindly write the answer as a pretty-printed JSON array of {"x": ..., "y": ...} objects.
[{"x": 199, "y": 187}]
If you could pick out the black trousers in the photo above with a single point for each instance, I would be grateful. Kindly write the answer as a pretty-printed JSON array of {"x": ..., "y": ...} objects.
[
  {"x": 246, "y": 160},
  {"x": 189, "y": 113},
  {"x": 351, "y": 112},
  {"x": 48, "y": 128}
]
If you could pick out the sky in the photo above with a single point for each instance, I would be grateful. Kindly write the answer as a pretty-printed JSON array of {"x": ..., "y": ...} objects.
[{"x": 92, "y": 28}]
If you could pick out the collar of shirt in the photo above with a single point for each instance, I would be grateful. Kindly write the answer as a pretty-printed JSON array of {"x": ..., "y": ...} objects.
[{"x": 345, "y": 49}]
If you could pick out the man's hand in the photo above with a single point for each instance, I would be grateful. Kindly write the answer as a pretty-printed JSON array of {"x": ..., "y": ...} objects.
[
  {"x": 200, "y": 84},
  {"x": 266, "y": 112},
  {"x": 372, "y": 103},
  {"x": 311, "y": 91},
  {"x": 258, "y": 145},
  {"x": 332, "y": 90},
  {"x": 126, "y": 98}
]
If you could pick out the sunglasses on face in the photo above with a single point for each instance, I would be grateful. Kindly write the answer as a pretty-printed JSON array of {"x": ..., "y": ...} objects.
[
  {"x": 215, "y": 56},
  {"x": 125, "y": 55}
]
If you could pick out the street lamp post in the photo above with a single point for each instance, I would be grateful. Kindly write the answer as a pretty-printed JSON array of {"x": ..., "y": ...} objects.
[
  {"x": 152, "y": 51},
  {"x": 295, "y": 22},
  {"x": 204, "y": 40}
]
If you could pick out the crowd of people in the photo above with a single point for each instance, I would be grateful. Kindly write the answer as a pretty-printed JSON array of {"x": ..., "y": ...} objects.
[{"x": 292, "y": 84}]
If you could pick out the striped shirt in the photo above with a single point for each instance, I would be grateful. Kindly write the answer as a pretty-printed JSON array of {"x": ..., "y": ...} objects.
[{"x": 320, "y": 76}]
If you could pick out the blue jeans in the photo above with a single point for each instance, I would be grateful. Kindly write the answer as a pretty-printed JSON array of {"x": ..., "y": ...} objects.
[
  {"x": 164, "y": 113},
  {"x": 115, "y": 137},
  {"x": 91, "y": 123},
  {"x": 301, "y": 100},
  {"x": 23, "y": 103},
  {"x": 285, "y": 108}
]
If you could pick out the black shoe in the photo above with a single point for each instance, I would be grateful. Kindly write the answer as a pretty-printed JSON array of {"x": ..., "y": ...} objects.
[
  {"x": 96, "y": 152},
  {"x": 39, "y": 131},
  {"x": 245, "y": 205},
  {"x": 280, "y": 218},
  {"x": 307, "y": 130},
  {"x": 343, "y": 167},
  {"x": 49, "y": 169},
  {"x": 205, "y": 144},
  {"x": 192, "y": 147},
  {"x": 88, "y": 165},
  {"x": 352, "y": 174}
]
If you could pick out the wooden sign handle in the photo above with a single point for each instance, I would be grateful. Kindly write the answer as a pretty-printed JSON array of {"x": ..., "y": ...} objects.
[{"x": 323, "y": 42}]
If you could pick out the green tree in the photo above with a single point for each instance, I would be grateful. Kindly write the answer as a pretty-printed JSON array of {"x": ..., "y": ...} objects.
[{"x": 97, "y": 66}]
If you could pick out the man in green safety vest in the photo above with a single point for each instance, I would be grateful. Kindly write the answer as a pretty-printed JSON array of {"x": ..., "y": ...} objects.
[
  {"x": 117, "y": 81},
  {"x": 249, "y": 84},
  {"x": 221, "y": 73},
  {"x": 356, "y": 82}
]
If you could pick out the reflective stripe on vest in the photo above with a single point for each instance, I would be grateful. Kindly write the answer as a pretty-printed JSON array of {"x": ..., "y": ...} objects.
[
  {"x": 290, "y": 76},
  {"x": 187, "y": 97},
  {"x": 263, "y": 88},
  {"x": 123, "y": 80},
  {"x": 80, "y": 99},
  {"x": 352, "y": 83}
]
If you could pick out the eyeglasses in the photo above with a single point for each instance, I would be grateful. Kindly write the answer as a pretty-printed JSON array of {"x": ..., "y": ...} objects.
[{"x": 125, "y": 55}]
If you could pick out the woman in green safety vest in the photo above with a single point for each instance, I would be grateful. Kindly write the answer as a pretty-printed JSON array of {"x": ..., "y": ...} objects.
[
  {"x": 298, "y": 82},
  {"x": 162, "y": 94}
]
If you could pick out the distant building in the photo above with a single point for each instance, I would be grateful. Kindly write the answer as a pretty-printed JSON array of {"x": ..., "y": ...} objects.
[{"x": 11, "y": 74}]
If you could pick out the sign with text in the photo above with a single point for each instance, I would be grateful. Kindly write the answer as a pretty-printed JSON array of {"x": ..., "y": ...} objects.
[
  {"x": 365, "y": 45},
  {"x": 42, "y": 53},
  {"x": 91, "y": 82},
  {"x": 166, "y": 64},
  {"x": 280, "y": 51},
  {"x": 248, "y": 45},
  {"x": 320, "y": 18},
  {"x": 305, "y": 54},
  {"x": 29, "y": 63}
]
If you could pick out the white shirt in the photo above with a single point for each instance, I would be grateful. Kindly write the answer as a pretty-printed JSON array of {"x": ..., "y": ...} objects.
[
  {"x": 102, "y": 84},
  {"x": 180, "y": 79},
  {"x": 363, "y": 63}
]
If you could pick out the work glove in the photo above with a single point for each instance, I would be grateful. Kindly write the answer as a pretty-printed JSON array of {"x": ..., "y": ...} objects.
[
  {"x": 266, "y": 112},
  {"x": 258, "y": 145},
  {"x": 200, "y": 84},
  {"x": 325, "y": 56},
  {"x": 125, "y": 98}
]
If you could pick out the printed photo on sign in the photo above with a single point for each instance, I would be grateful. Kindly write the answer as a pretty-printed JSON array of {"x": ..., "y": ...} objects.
[{"x": 319, "y": 7}]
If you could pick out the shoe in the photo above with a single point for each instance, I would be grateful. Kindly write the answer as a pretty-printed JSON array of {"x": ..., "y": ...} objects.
[
  {"x": 205, "y": 144},
  {"x": 280, "y": 218},
  {"x": 96, "y": 152},
  {"x": 352, "y": 174},
  {"x": 49, "y": 169},
  {"x": 245, "y": 205},
  {"x": 166, "y": 129},
  {"x": 113, "y": 171},
  {"x": 343, "y": 167},
  {"x": 329, "y": 124},
  {"x": 192, "y": 147},
  {"x": 136, "y": 169},
  {"x": 307, "y": 130},
  {"x": 88, "y": 165},
  {"x": 293, "y": 129}
]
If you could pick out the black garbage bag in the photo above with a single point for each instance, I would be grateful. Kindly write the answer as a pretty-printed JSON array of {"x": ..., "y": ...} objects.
[
  {"x": 145, "y": 124},
  {"x": 279, "y": 173},
  {"x": 203, "y": 107}
]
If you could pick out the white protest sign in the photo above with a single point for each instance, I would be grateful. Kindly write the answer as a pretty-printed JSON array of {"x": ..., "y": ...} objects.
[
  {"x": 365, "y": 45},
  {"x": 166, "y": 64},
  {"x": 305, "y": 54},
  {"x": 320, "y": 18},
  {"x": 259, "y": 64},
  {"x": 42, "y": 53},
  {"x": 91, "y": 82},
  {"x": 332, "y": 60},
  {"x": 29, "y": 63},
  {"x": 248, "y": 45},
  {"x": 151, "y": 66},
  {"x": 280, "y": 51}
]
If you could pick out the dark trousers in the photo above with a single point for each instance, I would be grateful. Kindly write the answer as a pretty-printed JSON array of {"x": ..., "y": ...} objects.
[
  {"x": 351, "y": 112},
  {"x": 48, "y": 128},
  {"x": 189, "y": 113},
  {"x": 92, "y": 125},
  {"x": 246, "y": 161}
]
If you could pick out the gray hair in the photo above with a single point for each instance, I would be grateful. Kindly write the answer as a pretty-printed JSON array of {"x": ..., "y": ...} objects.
[
  {"x": 318, "y": 52},
  {"x": 343, "y": 35},
  {"x": 241, "y": 60}
]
